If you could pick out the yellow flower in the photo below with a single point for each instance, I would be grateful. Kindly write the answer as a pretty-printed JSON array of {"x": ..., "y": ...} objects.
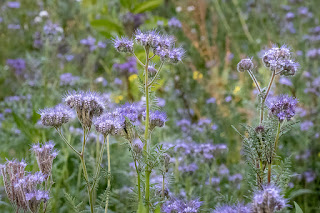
[
  {"x": 197, "y": 75},
  {"x": 133, "y": 77},
  {"x": 236, "y": 90},
  {"x": 117, "y": 99}
]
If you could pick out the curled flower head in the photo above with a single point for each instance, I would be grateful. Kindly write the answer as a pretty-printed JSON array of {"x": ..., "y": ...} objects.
[
  {"x": 278, "y": 59},
  {"x": 283, "y": 106},
  {"x": 123, "y": 44},
  {"x": 137, "y": 146},
  {"x": 56, "y": 116},
  {"x": 109, "y": 124},
  {"x": 245, "y": 65},
  {"x": 268, "y": 198},
  {"x": 87, "y": 105},
  {"x": 157, "y": 119},
  {"x": 45, "y": 155},
  {"x": 148, "y": 39}
]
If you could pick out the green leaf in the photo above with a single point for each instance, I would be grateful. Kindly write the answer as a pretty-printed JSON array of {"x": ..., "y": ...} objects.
[
  {"x": 298, "y": 209},
  {"x": 141, "y": 208},
  {"x": 107, "y": 25},
  {"x": 147, "y": 6},
  {"x": 158, "y": 209}
]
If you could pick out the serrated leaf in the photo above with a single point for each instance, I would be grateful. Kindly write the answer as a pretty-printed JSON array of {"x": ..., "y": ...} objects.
[
  {"x": 298, "y": 209},
  {"x": 147, "y": 6}
]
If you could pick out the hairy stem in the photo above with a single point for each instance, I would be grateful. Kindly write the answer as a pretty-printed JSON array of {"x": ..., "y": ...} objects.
[
  {"x": 99, "y": 163},
  {"x": 139, "y": 184},
  {"x": 66, "y": 142},
  {"x": 85, "y": 173},
  {"x": 109, "y": 175},
  {"x": 263, "y": 99},
  {"x": 156, "y": 75},
  {"x": 274, "y": 151},
  {"x": 254, "y": 80},
  {"x": 146, "y": 132}
]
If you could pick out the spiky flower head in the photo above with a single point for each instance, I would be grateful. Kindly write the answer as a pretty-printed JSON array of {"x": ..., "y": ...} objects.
[
  {"x": 179, "y": 206},
  {"x": 87, "y": 105},
  {"x": 282, "y": 106},
  {"x": 235, "y": 208},
  {"x": 45, "y": 154},
  {"x": 245, "y": 65},
  {"x": 22, "y": 188},
  {"x": 55, "y": 116},
  {"x": 137, "y": 147},
  {"x": 278, "y": 59},
  {"x": 156, "y": 119},
  {"x": 109, "y": 124},
  {"x": 123, "y": 44},
  {"x": 268, "y": 200}
]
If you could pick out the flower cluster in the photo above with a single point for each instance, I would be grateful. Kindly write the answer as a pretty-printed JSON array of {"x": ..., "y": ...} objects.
[
  {"x": 162, "y": 45},
  {"x": 22, "y": 190},
  {"x": 87, "y": 105},
  {"x": 19, "y": 65},
  {"x": 67, "y": 79},
  {"x": 179, "y": 206},
  {"x": 45, "y": 155},
  {"x": 174, "y": 23},
  {"x": 268, "y": 199},
  {"x": 123, "y": 44},
  {"x": 245, "y": 65},
  {"x": 282, "y": 106},
  {"x": 128, "y": 68},
  {"x": 236, "y": 208},
  {"x": 55, "y": 116},
  {"x": 115, "y": 123},
  {"x": 90, "y": 42},
  {"x": 109, "y": 124},
  {"x": 278, "y": 59},
  {"x": 157, "y": 119}
]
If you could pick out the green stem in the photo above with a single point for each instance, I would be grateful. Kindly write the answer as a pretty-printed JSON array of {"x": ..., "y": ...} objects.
[
  {"x": 109, "y": 176},
  {"x": 263, "y": 99},
  {"x": 66, "y": 142},
  {"x": 99, "y": 163},
  {"x": 156, "y": 76},
  {"x": 139, "y": 184},
  {"x": 146, "y": 133},
  {"x": 274, "y": 151},
  {"x": 254, "y": 80}
]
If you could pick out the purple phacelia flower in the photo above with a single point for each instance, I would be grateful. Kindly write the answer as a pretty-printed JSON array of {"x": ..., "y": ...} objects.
[
  {"x": 306, "y": 125},
  {"x": 87, "y": 105},
  {"x": 109, "y": 124},
  {"x": 123, "y": 45},
  {"x": 282, "y": 106},
  {"x": 290, "y": 16},
  {"x": 179, "y": 206},
  {"x": 278, "y": 59},
  {"x": 19, "y": 65},
  {"x": 157, "y": 119},
  {"x": 235, "y": 208},
  {"x": 14, "y": 26},
  {"x": 309, "y": 176},
  {"x": 13, "y": 4},
  {"x": 228, "y": 98},
  {"x": 56, "y": 116},
  {"x": 67, "y": 79},
  {"x": 245, "y": 65},
  {"x": 176, "y": 55},
  {"x": 127, "y": 68},
  {"x": 174, "y": 23},
  {"x": 45, "y": 154},
  {"x": 211, "y": 101},
  {"x": 285, "y": 81},
  {"x": 89, "y": 42},
  {"x": 268, "y": 198}
]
